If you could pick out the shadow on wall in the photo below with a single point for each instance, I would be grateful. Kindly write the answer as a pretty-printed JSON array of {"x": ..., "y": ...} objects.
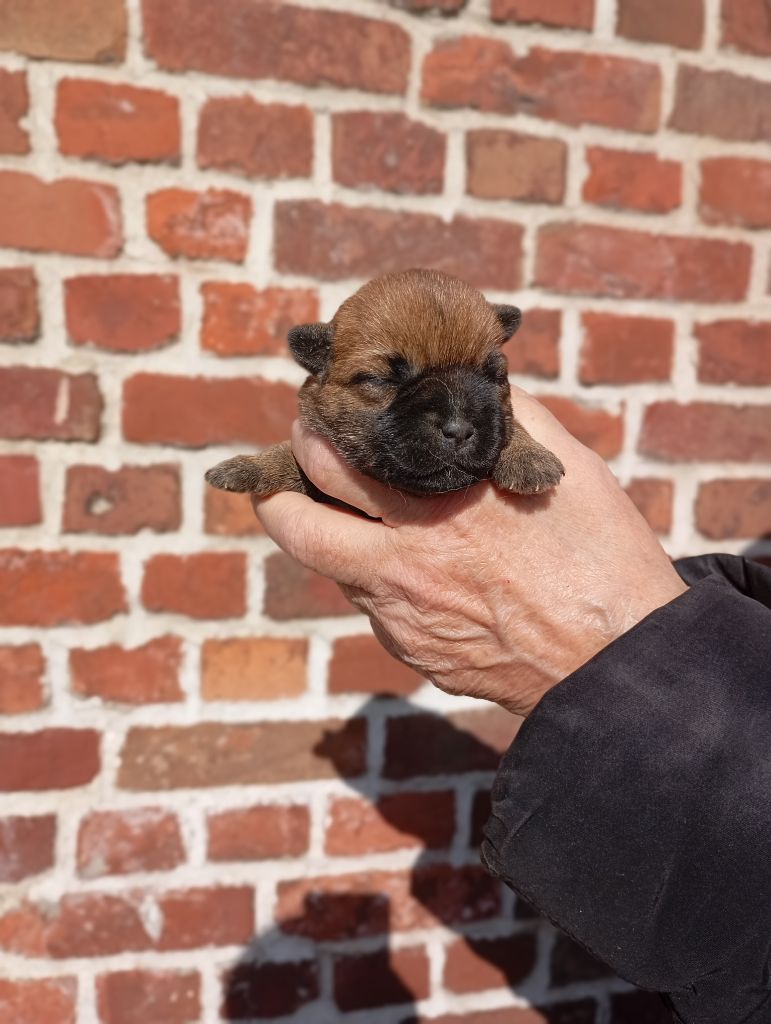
[{"x": 362, "y": 909}]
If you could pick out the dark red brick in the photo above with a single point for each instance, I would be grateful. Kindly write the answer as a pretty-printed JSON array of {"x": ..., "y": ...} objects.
[
  {"x": 387, "y": 150},
  {"x": 680, "y": 24},
  {"x": 426, "y": 744},
  {"x": 26, "y": 849},
  {"x": 334, "y": 242},
  {"x": 141, "y": 996},
  {"x": 570, "y": 87},
  {"x": 48, "y": 405},
  {"x": 383, "y": 978},
  {"x": 48, "y": 759},
  {"x": 473, "y": 965},
  {"x": 19, "y": 491},
  {"x": 192, "y": 412},
  {"x": 591, "y": 259},
  {"x": 722, "y": 104},
  {"x": 734, "y": 508},
  {"x": 734, "y": 352},
  {"x": 294, "y": 592},
  {"x": 706, "y": 431},
  {"x": 19, "y": 316},
  {"x": 258, "y": 140},
  {"x": 625, "y": 349},
  {"x": 268, "y": 989},
  {"x": 123, "y": 312},
  {"x": 747, "y": 26},
  {"x": 247, "y": 39}
]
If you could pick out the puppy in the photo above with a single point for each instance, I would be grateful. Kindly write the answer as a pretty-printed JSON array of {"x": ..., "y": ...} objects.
[{"x": 409, "y": 384}]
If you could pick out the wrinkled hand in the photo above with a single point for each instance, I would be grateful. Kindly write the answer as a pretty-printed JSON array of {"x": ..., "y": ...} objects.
[{"x": 488, "y": 594}]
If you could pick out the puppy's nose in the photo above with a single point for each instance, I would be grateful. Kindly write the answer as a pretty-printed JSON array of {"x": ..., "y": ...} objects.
[{"x": 457, "y": 429}]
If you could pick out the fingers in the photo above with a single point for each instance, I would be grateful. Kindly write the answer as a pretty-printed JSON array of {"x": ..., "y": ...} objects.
[
  {"x": 331, "y": 474},
  {"x": 332, "y": 542}
]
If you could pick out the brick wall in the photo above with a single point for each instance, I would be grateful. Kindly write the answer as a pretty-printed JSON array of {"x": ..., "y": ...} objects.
[{"x": 192, "y": 753}]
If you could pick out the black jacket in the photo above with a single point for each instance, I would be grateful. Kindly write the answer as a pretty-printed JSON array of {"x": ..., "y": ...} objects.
[{"x": 634, "y": 807}]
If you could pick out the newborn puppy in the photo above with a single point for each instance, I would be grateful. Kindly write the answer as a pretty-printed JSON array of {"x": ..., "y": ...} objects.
[{"x": 409, "y": 384}]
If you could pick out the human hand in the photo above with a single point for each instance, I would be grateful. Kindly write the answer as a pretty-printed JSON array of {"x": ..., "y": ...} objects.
[{"x": 492, "y": 595}]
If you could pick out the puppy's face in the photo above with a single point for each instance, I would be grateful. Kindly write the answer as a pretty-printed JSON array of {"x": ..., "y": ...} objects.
[{"x": 408, "y": 381}]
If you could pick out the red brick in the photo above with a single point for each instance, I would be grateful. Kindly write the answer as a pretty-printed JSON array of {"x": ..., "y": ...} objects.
[
  {"x": 103, "y": 924},
  {"x": 14, "y": 104},
  {"x": 253, "y": 668},
  {"x": 148, "y": 674},
  {"x": 473, "y": 965},
  {"x": 230, "y": 515},
  {"x": 342, "y": 907},
  {"x": 79, "y": 30},
  {"x": 706, "y": 431},
  {"x": 19, "y": 491},
  {"x": 736, "y": 191},
  {"x": 211, "y": 225},
  {"x": 557, "y": 13},
  {"x": 535, "y": 349},
  {"x": 208, "y": 585},
  {"x": 56, "y": 588},
  {"x": 597, "y": 428},
  {"x": 122, "y": 842},
  {"x": 722, "y": 104},
  {"x": 426, "y": 744},
  {"x": 571, "y": 87},
  {"x": 258, "y": 833},
  {"x": 240, "y": 320},
  {"x": 589, "y": 259},
  {"x": 70, "y": 216},
  {"x": 48, "y": 405},
  {"x": 387, "y": 150},
  {"x": 38, "y": 1001},
  {"x": 220, "y": 754},
  {"x": 48, "y": 759},
  {"x": 625, "y": 349},
  {"x": 653, "y": 499},
  {"x": 140, "y": 996},
  {"x": 117, "y": 123},
  {"x": 22, "y": 669},
  {"x": 258, "y": 140},
  {"x": 509, "y": 165},
  {"x": 680, "y": 24},
  {"x": 359, "y": 664},
  {"x": 123, "y": 312},
  {"x": 334, "y": 242},
  {"x": 384, "y": 978},
  {"x": 19, "y": 316},
  {"x": 26, "y": 849},
  {"x": 734, "y": 508},
  {"x": 247, "y": 39},
  {"x": 734, "y": 352},
  {"x": 268, "y": 989},
  {"x": 624, "y": 180},
  {"x": 191, "y": 412},
  {"x": 396, "y": 822},
  {"x": 123, "y": 501},
  {"x": 294, "y": 592},
  {"x": 747, "y": 26}
]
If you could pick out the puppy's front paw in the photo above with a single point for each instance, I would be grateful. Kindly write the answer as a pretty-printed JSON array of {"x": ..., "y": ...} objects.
[
  {"x": 530, "y": 469},
  {"x": 242, "y": 474}
]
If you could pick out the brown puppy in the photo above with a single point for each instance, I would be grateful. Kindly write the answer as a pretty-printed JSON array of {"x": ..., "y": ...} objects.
[{"x": 409, "y": 384}]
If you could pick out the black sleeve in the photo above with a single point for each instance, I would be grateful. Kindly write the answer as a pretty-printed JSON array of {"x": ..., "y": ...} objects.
[{"x": 634, "y": 807}]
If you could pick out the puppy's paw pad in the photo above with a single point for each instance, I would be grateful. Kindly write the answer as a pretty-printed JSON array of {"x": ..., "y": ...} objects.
[
  {"x": 239, "y": 474},
  {"x": 532, "y": 472}
]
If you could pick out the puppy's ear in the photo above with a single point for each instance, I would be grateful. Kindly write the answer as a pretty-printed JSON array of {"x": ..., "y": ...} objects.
[
  {"x": 311, "y": 345},
  {"x": 510, "y": 318}
]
